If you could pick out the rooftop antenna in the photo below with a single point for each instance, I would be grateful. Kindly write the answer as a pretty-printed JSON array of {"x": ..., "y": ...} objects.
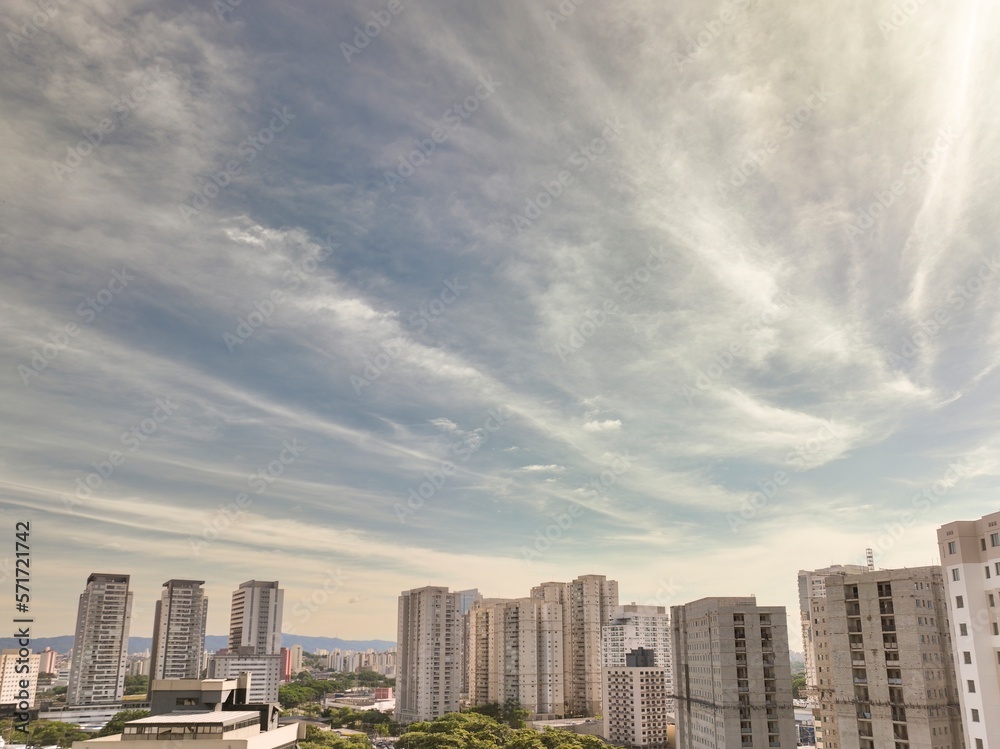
[{"x": 871, "y": 559}]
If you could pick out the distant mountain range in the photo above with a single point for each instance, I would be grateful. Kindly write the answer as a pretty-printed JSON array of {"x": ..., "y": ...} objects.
[{"x": 63, "y": 643}]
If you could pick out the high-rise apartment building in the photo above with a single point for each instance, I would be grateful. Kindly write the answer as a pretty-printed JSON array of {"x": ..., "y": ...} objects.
[
  {"x": 14, "y": 669},
  {"x": 295, "y": 655},
  {"x": 732, "y": 676},
  {"x": 47, "y": 661},
  {"x": 634, "y": 628},
  {"x": 884, "y": 666},
  {"x": 637, "y": 701},
  {"x": 255, "y": 619},
  {"x": 516, "y": 652},
  {"x": 179, "y": 631},
  {"x": 588, "y": 603},
  {"x": 100, "y": 645},
  {"x": 812, "y": 593},
  {"x": 970, "y": 561},
  {"x": 430, "y": 647}
]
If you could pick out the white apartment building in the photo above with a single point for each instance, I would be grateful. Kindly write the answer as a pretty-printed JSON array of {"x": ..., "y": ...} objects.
[
  {"x": 100, "y": 645},
  {"x": 264, "y": 670},
  {"x": 588, "y": 603},
  {"x": 255, "y": 618},
  {"x": 179, "y": 631},
  {"x": 295, "y": 653},
  {"x": 732, "y": 676},
  {"x": 637, "y": 639},
  {"x": 516, "y": 652},
  {"x": 636, "y": 703},
  {"x": 970, "y": 562},
  {"x": 430, "y": 652},
  {"x": 885, "y": 673},
  {"x": 14, "y": 669}
]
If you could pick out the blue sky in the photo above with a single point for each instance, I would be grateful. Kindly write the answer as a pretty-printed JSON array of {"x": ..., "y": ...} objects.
[{"x": 693, "y": 295}]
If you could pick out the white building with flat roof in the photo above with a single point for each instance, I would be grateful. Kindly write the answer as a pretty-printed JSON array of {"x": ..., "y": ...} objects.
[
  {"x": 211, "y": 730},
  {"x": 970, "y": 562}
]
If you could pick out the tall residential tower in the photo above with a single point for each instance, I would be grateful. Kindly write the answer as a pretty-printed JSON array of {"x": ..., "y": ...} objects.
[
  {"x": 100, "y": 645},
  {"x": 179, "y": 631},
  {"x": 732, "y": 675},
  {"x": 970, "y": 559},
  {"x": 431, "y": 658}
]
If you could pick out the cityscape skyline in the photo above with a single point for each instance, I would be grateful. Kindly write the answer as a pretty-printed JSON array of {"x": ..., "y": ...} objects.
[
  {"x": 321, "y": 610},
  {"x": 691, "y": 295}
]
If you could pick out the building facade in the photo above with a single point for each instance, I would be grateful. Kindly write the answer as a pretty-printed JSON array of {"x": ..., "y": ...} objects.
[
  {"x": 14, "y": 669},
  {"x": 179, "y": 631},
  {"x": 430, "y": 652},
  {"x": 636, "y": 702},
  {"x": 812, "y": 595},
  {"x": 515, "y": 652},
  {"x": 47, "y": 661},
  {"x": 255, "y": 618},
  {"x": 264, "y": 670},
  {"x": 885, "y": 673},
  {"x": 588, "y": 603},
  {"x": 732, "y": 675},
  {"x": 970, "y": 561},
  {"x": 100, "y": 644}
]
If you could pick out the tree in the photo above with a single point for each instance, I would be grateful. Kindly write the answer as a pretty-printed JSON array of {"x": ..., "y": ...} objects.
[
  {"x": 798, "y": 684},
  {"x": 510, "y": 712},
  {"x": 10, "y": 735},
  {"x": 46, "y": 732},
  {"x": 317, "y": 738},
  {"x": 117, "y": 723},
  {"x": 136, "y": 684}
]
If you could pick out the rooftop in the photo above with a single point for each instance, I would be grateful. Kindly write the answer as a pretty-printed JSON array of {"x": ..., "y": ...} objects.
[{"x": 214, "y": 718}]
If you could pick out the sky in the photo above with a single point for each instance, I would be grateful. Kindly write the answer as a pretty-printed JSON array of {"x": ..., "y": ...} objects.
[{"x": 366, "y": 296}]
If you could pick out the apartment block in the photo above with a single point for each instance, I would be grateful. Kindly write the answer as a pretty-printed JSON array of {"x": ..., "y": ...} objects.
[
  {"x": 588, "y": 603},
  {"x": 430, "y": 652},
  {"x": 732, "y": 676},
  {"x": 47, "y": 661},
  {"x": 885, "y": 673},
  {"x": 100, "y": 644},
  {"x": 637, "y": 701},
  {"x": 255, "y": 618},
  {"x": 970, "y": 562},
  {"x": 635, "y": 627},
  {"x": 264, "y": 670},
  {"x": 179, "y": 631},
  {"x": 14, "y": 669},
  {"x": 516, "y": 652},
  {"x": 812, "y": 597}
]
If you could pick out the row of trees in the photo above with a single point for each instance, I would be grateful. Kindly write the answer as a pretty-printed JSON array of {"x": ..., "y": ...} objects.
[{"x": 471, "y": 730}]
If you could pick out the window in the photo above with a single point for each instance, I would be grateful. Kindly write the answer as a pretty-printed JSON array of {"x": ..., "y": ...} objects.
[
  {"x": 972, "y": 686},
  {"x": 982, "y": 544},
  {"x": 995, "y": 539},
  {"x": 954, "y": 573},
  {"x": 963, "y": 629},
  {"x": 975, "y": 715},
  {"x": 951, "y": 547},
  {"x": 967, "y": 657},
  {"x": 959, "y": 602}
]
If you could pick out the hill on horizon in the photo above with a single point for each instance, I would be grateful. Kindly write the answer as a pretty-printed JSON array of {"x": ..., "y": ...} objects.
[{"x": 63, "y": 643}]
